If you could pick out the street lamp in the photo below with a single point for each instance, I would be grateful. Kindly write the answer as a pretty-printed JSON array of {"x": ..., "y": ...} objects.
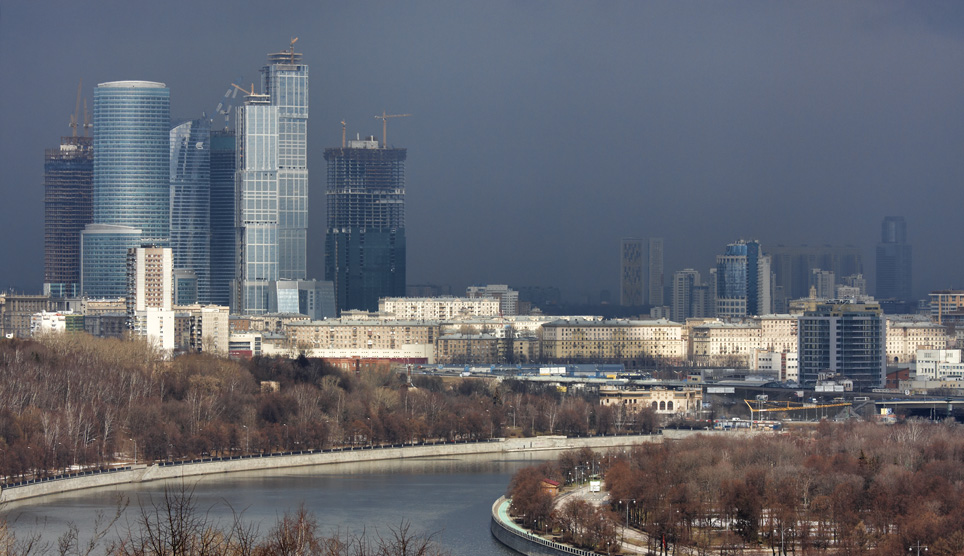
[
  {"x": 918, "y": 546},
  {"x": 627, "y": 509},
  {"x": 135, "y": 450},
  {"x": 246, "y": 445}
]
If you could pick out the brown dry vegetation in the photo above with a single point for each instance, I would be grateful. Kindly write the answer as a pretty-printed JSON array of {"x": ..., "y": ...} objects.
[
  {"x": 71, "y": 401},
  {"x": 855, "y": 488}
]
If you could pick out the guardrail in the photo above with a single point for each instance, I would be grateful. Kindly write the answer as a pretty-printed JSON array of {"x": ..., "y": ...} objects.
[{"x": 528, "y": 537}]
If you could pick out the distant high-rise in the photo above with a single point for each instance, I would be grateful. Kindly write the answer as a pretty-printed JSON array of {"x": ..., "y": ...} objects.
[
  {"x": 847, "y": 339},
  {"x": 132, "y": 189},
  {"x": 257, "y": 205},
  {"x": 743, "y": 281},
  {"x": 271, "y": 183},
  {"x": 365, "y": 240},
  {"x": 894, "y": 257},
  {"x": 655, "y": 269},
  {"x": 191, "y": 202},
  {"x": 68, "y": 187},
  {"x": 824, "y": 283},
  {"x": 631, "y": 272},
  {"x": 222, "y": 216},
  {"x": 689, "y": 296},
  {"x": 793, "y": 265},
  {"x": 285, "y": 81}
]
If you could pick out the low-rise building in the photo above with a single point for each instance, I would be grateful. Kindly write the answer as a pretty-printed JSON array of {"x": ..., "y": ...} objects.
[
  {"x": 438, "y": 308},
  {"x": 940, "y": 364},
  {"x": 905, "y": 337},
  {"x": 664, "y": 401},
  {"x": 633, "y": 342}
]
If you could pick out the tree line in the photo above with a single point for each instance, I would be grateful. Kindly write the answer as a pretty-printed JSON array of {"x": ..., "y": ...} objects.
[
  {"x": 73, "y": 402},
  {"x": 848, "y": 488}
]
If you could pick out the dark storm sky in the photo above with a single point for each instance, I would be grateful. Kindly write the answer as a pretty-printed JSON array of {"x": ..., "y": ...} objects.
[{"x": 543, "y": 132}]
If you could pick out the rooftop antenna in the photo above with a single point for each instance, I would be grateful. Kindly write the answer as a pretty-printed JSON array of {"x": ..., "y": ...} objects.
[{"x": 384, "y": 118}]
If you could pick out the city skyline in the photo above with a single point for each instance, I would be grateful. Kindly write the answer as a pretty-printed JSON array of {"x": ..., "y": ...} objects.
[{"x": 808, "y": 133}]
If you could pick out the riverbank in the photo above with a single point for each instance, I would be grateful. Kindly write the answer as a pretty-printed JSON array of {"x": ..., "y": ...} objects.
[{"x": 176, "y": 470}]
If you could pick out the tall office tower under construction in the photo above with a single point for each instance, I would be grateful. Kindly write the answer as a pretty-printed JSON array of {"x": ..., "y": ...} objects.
[
  {"x": 68, "y": 186},
  {"x": 271, "y": 183},
  {"x": 365, "y": 241}
]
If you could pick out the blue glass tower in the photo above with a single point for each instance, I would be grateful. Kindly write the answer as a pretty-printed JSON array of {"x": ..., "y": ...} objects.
[
  {"x": 222, "y": 216},
  {"x": 191, "y": 202},
  {"x": 742, "y": 281},
  {"x": 131, "y": 179}
]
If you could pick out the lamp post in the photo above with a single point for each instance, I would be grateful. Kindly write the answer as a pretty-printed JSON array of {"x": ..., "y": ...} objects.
[
  {"x": 627, "y": 509},
  {"x": 246, "y": 445},
  {"x": 918, "y": 546},
  {"x": 782, "y": 546},
  {"x": 135, "y": 450}
]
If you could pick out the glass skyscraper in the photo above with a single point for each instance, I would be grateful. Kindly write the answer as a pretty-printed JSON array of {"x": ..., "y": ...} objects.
[
  {"x": 285, "y": 81},
  {"x": 742, "y": 281},
  {"x": 222, "y": 216},
  {"x": 894, "y": 256},
  {"x": 191, "y": 202},
  {"x": 68, "y": 183},
  {"x": 271, "y": 183},
  {"x": 131, "y": 190},
  {"x": 365, "y": 240}
]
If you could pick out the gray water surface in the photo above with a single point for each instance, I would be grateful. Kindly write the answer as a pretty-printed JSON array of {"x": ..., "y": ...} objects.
[{"x": 450, "y": 497}]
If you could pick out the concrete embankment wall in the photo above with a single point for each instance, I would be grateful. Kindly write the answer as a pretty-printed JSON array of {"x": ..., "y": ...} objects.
[
  {"x": 155, "y": 472},
  {"x": 527, "y": 543}
]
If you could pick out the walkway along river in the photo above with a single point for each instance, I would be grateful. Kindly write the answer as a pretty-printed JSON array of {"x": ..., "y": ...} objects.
[{"x": 447, "y": 489}]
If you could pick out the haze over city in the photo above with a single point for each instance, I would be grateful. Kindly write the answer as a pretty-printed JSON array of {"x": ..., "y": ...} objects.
[{"x": 542, "y": 133}]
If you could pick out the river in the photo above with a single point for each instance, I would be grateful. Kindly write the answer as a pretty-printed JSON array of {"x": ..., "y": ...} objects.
[{"x": 450, "y": 497}]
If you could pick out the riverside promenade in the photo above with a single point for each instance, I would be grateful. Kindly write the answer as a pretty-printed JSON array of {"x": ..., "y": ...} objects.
[{"x": 141, "y": 473}]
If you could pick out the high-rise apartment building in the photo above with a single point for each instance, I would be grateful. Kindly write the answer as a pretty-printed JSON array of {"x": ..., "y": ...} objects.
[
  {"x": 68, "y": 188},
  {"x": 823, "y": 283},
  {"x": 365, "y": 239},
  {"x": 271, "y": 183},
  {"x": 690, "y": 296},
  {"x": 150, "y": 294},
  {"x": 793, "y": 265},
  {"x": 191, "y": 202},
  {"x": 507, "y": 297},
  {"x": 894, "y": 256},
  {"x": 631, "y": 272},
  {"x": 846, "y": 339},
  {"x": 743, "y": 281},
  {"x": 222, "y": 216},
  {"x": 132, "y": 188},
  {"x": 655, "y": 270}
]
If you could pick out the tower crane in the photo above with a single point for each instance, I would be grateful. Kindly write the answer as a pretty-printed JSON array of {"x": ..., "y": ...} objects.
[
  {"x": 343, "y": 129},
  {"x": 76, "y": 114},
  {"x": 384, "y": 118},
  {"x": 291, "y": 49}
]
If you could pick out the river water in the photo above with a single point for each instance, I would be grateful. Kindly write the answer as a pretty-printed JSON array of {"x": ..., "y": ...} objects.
[{"x": 449, "y": 497}]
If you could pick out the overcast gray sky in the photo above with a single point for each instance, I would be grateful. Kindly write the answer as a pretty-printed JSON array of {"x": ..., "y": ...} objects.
[{"x": 543, "y": 132}]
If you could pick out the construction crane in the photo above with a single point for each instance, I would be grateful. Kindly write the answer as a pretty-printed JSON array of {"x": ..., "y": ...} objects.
[
  {"x": 291, "y": 49},
  {"x": 76, "y": 114},
  {"x": 242, "y": 89},
  {"x": 343, "y": 130},
  {"x": 384, "y": 118}
]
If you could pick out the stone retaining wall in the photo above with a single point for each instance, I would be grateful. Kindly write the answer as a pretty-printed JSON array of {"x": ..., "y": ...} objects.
[
  {"x": 161, "y": 471},
  {"x": 527, "y": 543}
]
